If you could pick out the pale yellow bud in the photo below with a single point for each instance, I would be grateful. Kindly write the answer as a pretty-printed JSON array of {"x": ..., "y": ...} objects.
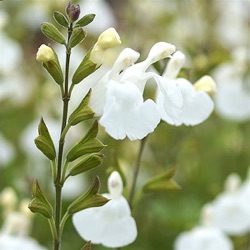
[
  {"x": 106, "y": 42},
  {"x": 45, "y": 54},
  {"x": 108, "y": 39},
  {"x": 207, "y": 84},
  {"x": 8, "y": 199}
]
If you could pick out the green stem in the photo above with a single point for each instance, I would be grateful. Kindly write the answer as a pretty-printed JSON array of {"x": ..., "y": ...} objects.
[
  {"x": 58, "y": 182},
  {"x": 136, "y": 172},
  {"x": 64, "y": 219},
  {"x": 53, "y": 228}
]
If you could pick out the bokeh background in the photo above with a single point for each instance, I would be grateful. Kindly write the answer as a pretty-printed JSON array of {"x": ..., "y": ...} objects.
[{"x": 213, "y": 35}]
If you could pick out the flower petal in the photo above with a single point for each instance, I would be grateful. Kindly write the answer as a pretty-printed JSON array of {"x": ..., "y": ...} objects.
[{"x": 125, "y": 113}]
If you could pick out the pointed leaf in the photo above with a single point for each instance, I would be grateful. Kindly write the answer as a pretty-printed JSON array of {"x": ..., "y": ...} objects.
[
  {"x": 44, "y": 142},
  {"x": 162, "y": 182},
  {"x": 49, "y": 30},
  {"x": 85, "y": 20},
  {"x": 89, "y": 162},
  {"x": 88, "y": 144},
  {"x": 82, "y": 112},
  {"x": 90, "y": 198},
  {"x": 60, "y": 19}
]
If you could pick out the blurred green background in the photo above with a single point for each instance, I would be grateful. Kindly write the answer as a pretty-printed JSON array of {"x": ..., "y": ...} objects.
[{"x": 205, "y": 154}]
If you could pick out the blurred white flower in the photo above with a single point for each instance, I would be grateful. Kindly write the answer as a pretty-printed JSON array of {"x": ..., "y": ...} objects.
[
  {"x": 231, "y": 214},
  {"x": 110, "y": 225},
  {"x": 7, "y": 151},
  {"x": 232, "y": 100},
  {"x": 205, "y": 236},
  {"x": 104, "y": 18},
  {"x": 16, "y": 224}
]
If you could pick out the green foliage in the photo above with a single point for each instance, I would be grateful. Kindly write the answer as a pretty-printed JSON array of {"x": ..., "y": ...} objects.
[
  {"x": 49, "y": 30},
  {"x": 44, "y": 142},
  {"x": 85, "y": 20},
  {"x": 90, "y": 198},
  {"x": 40, "y": 204}
]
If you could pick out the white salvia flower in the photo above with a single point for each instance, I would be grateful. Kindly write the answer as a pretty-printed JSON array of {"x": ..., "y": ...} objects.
[
  {"x": 178, "y": 100},
  {"x": 110, "y": 225},
  {"x": 8, "y": 200},
  {"x": 204, "y": 236},
  {"x": 231, "y": 213}
]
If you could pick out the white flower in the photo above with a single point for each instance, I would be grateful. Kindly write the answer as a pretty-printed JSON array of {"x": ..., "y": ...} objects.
[
  {"x": 178, "y": 100},
  {"x": 232, "y": 100},
  {"x": 110, "y": 225},
  {"x": 205, "y": 236},
  {"x": 230, "y": 212},
  {"x": 118, "y": 96},
  {"x": 12, "y": 242}
]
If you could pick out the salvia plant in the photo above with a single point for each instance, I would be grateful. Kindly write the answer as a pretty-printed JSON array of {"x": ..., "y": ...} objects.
[{"x": 114, "y": 99}]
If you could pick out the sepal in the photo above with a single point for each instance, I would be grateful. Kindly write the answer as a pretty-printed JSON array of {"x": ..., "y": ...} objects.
[
  {"x": 88, "y": 144},
  {"x": 44, "y": 142},
  {"x": 85, "y": 68},
  {"x": 77, "y": 36},
  {"x": 87, "y": 246},
  {"x": 91, "y": 198},
  {"x": 54, "y": 69},
  {"x": 39, "y": 203},
  {"x": 49, "y": 30},
  {"x": 85, "y": 20},
  {"x": 163, "y": 182},
  {"x": 89, "y": 162},
  {"x": 60, "y": 19},
  {"x": 82, "y": 112}
]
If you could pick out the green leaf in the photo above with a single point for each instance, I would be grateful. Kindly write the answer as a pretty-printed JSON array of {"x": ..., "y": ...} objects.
[
  {"x": 87, "y": 19},
  {"x": 44, "y": 142},
  {"x": 89, "y": 162},
  {"x": 40, "y": 204},
  {"x": 88, "y": 144},
  {"x": 90, "y": 198},
  {"x": 162, "y": 182},
  {"x": 49, "y": 30},
  {"x": 60, "y": 19},
  {"x": 82, "y": 112},
  {"x": 77, "y": 36},
  {"x": 85, "y": 68}
]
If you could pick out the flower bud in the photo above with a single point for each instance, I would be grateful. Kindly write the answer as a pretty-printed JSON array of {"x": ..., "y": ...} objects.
[
  {"x": 115, "y": 185},
  {"x": 73, "y": 11},
  {"x": 45, "y": 54},
  {"x": 207, "y": 84},
  {"x": 160, "y": 51},
  {"x": 174, "y": 65},
  {"x": 108, "y": 39}
]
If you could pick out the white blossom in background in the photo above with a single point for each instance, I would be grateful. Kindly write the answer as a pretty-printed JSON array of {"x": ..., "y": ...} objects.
[
  {"x": 231, "y": 213},
  {"x": 104, "y": 18},
  {"x": 7, "y": 151},
  {"x": 232, "y": 100},
  {"x": 110, "y": 225},
  {"x": 16, "y": 224},
  {"x": 205, "y": 236}
]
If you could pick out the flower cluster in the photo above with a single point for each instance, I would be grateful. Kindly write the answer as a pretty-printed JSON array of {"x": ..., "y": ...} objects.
[{"x": 118, "y": 97}]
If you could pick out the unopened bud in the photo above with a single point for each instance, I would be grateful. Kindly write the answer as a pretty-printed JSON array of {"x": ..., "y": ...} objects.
[
  {"x": 73, "y": 11},
  {"x": 108, "y": 39},
  {"x": 45, "y": 54},
  {"x": 207, "y": 84},
  {"x": 174, "y": 65}
]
